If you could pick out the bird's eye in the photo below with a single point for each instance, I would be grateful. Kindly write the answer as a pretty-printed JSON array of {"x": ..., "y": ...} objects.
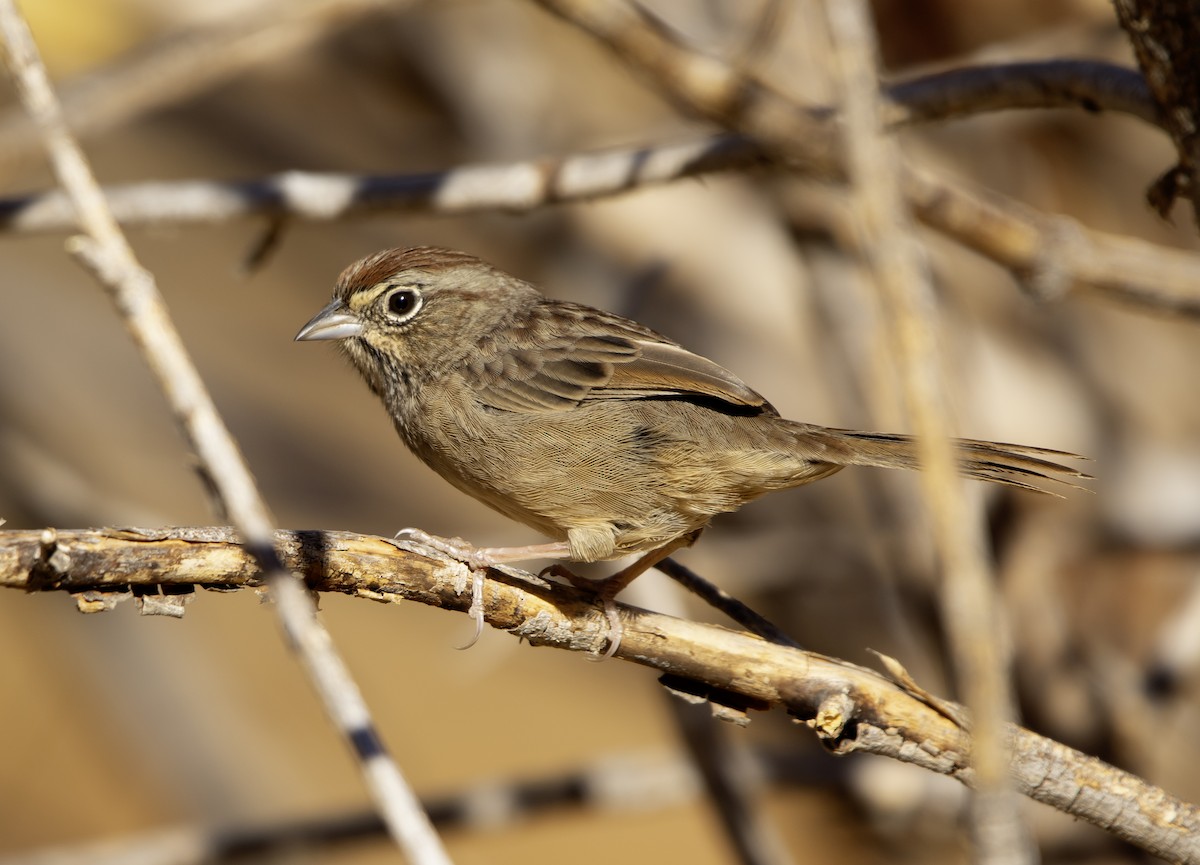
[{"x": 403, "y": 303}]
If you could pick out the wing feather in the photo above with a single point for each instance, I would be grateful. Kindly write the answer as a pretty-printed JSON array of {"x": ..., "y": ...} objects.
[{"x": 575, "y": 354}]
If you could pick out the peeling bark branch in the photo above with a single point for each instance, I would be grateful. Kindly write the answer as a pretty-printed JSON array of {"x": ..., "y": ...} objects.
[
  {"x": 849, "y": 707},
  {"x": 1166, "y": 39}
]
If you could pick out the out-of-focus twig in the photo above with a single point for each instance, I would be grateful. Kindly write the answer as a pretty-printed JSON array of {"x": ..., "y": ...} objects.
[
  {"x": 849, "y": 707},
  {"x": 733, "y": 779},
  {"x": 969, "y": 607},
  {"x": 718, "y": 598},
  {"x": 1053, "y": 252},
  {"x": 516, "y": 186},
  {"x": 643, "y": 782},
  {"x": 967, "y": 91},
  {"x": 104, "y": 250},
  {"x": 1051, "y": 255},
  {"x": 178, "y": 65},
  {"x": 535, "y": 183}
]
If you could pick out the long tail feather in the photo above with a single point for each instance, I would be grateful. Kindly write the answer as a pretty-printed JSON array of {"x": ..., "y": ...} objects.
[{"x": 999, "y": 462}]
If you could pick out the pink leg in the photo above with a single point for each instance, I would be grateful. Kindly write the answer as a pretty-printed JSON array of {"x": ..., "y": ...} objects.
[
  {"x": 608, "y": 589},
  {"x": 479, "y": 559}
]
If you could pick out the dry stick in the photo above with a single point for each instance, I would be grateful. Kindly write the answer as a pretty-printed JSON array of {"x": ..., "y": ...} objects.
[
  {"x": 104, "y": 250},
  {"x": 526, "y": 185},
  {"x": 732, "y": 778},
  {"x": 178, "y": 65},
  {"x": 612, "y": 783},
  {"x": 718, "y": 598},
  {"x": 320, "y": 197},
  {"x": 849, "y": 707},
  {"x": 1050, "y": 255},
  {"x": 967, "y": 594},
  {"x": 955, "y": 93}
]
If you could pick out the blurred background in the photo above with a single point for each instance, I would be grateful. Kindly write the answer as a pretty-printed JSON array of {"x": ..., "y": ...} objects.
[{"x": 114, "y": 724}]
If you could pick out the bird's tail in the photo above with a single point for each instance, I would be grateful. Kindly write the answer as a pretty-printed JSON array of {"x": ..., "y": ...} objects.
[{"x": 1015, "y": 465}]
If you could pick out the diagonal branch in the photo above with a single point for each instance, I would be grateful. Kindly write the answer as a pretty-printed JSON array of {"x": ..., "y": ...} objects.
[
  {"x": 104, "y": 250},
  {"x": 849, "y": 707}
]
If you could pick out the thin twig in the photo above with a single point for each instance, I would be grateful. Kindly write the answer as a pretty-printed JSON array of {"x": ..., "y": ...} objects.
[
  {"x": 1051, "y": 255},
  {"x": 969, "y": 606},
  {"x": 808, "y": 141},
  {"x": 718, "y": 598},
  {"x": 104, "y": 250},
  {"x": 612, "y": 783},
  {"x": 849, "y": 707},
  {"x": 179, "y": 65},
  {"x": 968, "y": 91},
  {"x": 525, "y": 185},
  {"x": 320, "y": 197},
  {"x": 732, "y": 778}
]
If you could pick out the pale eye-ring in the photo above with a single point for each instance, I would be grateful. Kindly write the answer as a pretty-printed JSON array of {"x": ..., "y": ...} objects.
[{"x": 404, "y": 303}]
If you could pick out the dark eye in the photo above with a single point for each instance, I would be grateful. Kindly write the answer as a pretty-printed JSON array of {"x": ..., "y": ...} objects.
[{"x": 403, "y": 303}]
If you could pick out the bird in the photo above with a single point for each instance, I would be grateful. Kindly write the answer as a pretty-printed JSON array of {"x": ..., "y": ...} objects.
[{"x": 602, "y": 434}]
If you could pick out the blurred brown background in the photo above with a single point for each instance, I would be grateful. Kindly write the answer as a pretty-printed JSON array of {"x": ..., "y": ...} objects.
[{"x": 112, "y": 724}]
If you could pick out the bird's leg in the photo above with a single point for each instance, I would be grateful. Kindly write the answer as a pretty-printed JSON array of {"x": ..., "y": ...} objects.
[
  {"x": 481, "y": 558},
  {"x": 478, "y": 560},
  {"x": 608, "y": 589}
]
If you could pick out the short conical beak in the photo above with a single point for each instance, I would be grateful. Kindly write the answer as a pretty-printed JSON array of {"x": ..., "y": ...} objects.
[{"x": 333, "y": 322}]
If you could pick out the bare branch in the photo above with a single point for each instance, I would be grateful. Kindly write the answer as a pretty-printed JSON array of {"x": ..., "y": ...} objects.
[
  {"x": 808, "y": 142},
  {"x": 1050, "y": 254},
  {"x": 611, "y": 783},
  {"x": 516, "y": 187},
  {"x": 849, "y": 707},
  {"x": 106, "y": 253},
  {"x": 968, "y": 91},
  {"x": 181, "y": 64}
]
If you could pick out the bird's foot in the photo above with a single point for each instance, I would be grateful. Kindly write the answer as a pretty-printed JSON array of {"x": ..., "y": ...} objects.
[
  {"x": 478, "y": 560},
  {"x": 461, "y": 551},
  {"x": 451, "y": 548},
  {"x": 605, "y": 592}
]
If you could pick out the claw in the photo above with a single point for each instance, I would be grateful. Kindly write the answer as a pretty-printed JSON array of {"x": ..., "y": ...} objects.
[
  {"x": 603, "y": 590},
  {"x": 615, "y": 631},
  {"x": 454, "y": 548},
  {"x": 475, "y": 611}
]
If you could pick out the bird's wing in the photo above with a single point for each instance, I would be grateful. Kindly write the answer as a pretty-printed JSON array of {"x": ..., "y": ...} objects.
[{"x": 594, "y": 356}]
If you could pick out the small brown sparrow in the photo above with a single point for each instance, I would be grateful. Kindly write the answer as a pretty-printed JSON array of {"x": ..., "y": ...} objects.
[{"x": 587, "y": 426}]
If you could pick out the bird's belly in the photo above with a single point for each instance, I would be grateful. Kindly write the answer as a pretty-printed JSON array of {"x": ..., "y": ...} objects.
[{"x": 617, "y": 468}]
